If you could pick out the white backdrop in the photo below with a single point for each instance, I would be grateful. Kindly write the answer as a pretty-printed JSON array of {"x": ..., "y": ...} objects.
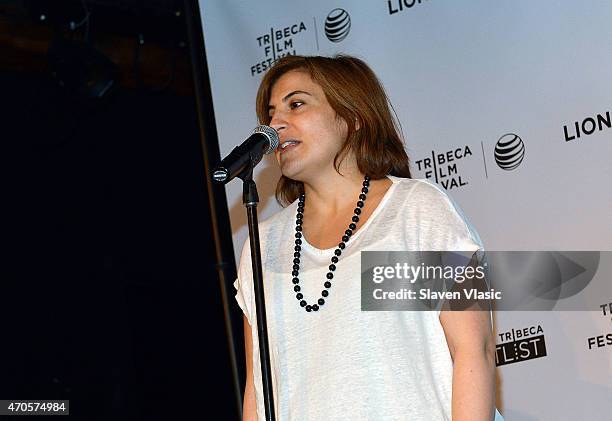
[{"x": 463, "y": 75}]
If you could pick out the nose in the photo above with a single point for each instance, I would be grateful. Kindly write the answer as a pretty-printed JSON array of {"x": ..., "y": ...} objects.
[{"x": 278, "y": 122}]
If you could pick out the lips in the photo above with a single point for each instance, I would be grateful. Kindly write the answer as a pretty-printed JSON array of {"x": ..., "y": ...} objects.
[{"x": 287, "y": 145}]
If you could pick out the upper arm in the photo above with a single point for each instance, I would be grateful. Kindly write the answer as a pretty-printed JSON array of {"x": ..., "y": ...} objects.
[
  {"x": 249, "y": 405},
  {"x": 248, "y": 346},
  {"x": 468, "y": 331}
]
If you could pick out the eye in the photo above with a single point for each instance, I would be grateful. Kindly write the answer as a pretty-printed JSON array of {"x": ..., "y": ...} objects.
[{"x": 295, "y": 104}]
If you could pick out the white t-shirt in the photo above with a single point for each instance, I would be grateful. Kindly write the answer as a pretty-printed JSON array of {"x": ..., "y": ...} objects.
[{"x": 341, "y": 363}]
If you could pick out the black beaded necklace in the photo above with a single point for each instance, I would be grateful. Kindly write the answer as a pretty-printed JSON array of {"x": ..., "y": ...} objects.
[{"x": 332, "y": 267}]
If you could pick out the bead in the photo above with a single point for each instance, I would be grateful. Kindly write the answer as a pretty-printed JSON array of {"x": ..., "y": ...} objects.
[{"x": 337, "y": 252}]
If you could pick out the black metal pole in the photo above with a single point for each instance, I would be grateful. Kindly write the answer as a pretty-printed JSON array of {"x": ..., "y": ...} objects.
[
  {"x": 250, "y": 199},
  {"x": 217, "y": 201}
]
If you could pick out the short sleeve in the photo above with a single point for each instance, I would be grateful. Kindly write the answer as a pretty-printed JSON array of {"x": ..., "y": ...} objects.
[
  {"x": 244, "y": 283},
  {"x": 468, "y": 240},
  {"x": 453, "y": 230}
]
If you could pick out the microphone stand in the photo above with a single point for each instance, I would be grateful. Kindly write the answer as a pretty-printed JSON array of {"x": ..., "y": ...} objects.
[{"x": 250, "y": 199}]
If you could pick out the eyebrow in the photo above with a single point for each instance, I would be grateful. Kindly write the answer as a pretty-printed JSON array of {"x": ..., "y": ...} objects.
[{"x": 289, "y": 95}]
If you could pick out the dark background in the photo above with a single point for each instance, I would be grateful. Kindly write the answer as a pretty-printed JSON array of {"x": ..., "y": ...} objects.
[{"x": 110, "y": 297}]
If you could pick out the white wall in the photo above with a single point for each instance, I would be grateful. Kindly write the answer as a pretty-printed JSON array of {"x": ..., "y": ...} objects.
[{"x": 462, "y": 74}]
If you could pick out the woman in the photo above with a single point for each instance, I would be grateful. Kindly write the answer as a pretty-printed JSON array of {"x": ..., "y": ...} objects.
[{"x": 347, "y": 186}]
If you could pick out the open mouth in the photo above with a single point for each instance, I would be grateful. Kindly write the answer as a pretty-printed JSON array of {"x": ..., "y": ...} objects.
[{"x": 288, "y": 144}]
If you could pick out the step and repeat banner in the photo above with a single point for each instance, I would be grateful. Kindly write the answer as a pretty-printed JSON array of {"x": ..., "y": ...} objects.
[{"x": 505, "y": 105}]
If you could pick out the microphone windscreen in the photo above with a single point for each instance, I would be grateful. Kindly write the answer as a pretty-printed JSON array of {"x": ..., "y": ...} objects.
[{"x": 271, "y": 134}]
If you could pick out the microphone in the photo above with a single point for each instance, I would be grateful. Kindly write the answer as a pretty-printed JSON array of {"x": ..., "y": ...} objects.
[{"x": 244, "y": 157}]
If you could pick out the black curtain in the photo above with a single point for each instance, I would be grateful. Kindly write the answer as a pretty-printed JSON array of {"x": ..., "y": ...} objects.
[{"x": 110, "y": 296}]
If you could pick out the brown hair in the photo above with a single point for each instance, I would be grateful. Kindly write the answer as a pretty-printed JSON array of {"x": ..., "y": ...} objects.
[{"x": 357, "y": 96}]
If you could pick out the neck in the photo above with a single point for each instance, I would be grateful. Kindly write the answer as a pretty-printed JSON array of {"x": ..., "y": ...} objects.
[{"x": 333, "y": 193}]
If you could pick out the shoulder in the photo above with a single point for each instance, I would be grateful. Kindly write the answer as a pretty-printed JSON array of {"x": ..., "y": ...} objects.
[
  {"x": 424, "y": 204},
  {"x": 421, "y": 193},
  {"x": 279, "y": 220},
  {"x": 272, "y": 230}
]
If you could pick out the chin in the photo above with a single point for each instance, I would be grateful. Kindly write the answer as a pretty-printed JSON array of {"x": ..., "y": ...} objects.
[
  {"x": 291, "y": 171},
  {"x": 292, "y": 176}
]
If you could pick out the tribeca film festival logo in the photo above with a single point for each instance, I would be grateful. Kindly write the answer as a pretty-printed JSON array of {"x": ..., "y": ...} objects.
[
  {"x": 509, "y": 151},
  {"x": 445, "y": 167},
  {"x": 281, "y": 42},
  {"x": 520, "y": 345},
  {"x": 442, "y": 167},
  {"x": 396, "y": 6},
  {"x": 337, "y": 25},
  {"x": 588, "y": 126},
  {"x": 602, "y": 340},
  {"x": 276, "y": 44}
]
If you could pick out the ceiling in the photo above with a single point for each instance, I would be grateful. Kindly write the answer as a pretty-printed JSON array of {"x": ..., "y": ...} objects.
[{"x": 146, "y": 40}]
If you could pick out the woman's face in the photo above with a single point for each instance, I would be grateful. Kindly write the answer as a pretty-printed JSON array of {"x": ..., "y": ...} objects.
[{"x": 310, "y": 132}]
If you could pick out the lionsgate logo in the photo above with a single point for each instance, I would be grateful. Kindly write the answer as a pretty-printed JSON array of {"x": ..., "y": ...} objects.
[
  {"x": 277, "y": 43},
  {"x": 587, "y": 127},
  {"x": 396, "y": 6},
  {"x": 520, "y": 345},
  {"x": 442, "y": 167}
]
